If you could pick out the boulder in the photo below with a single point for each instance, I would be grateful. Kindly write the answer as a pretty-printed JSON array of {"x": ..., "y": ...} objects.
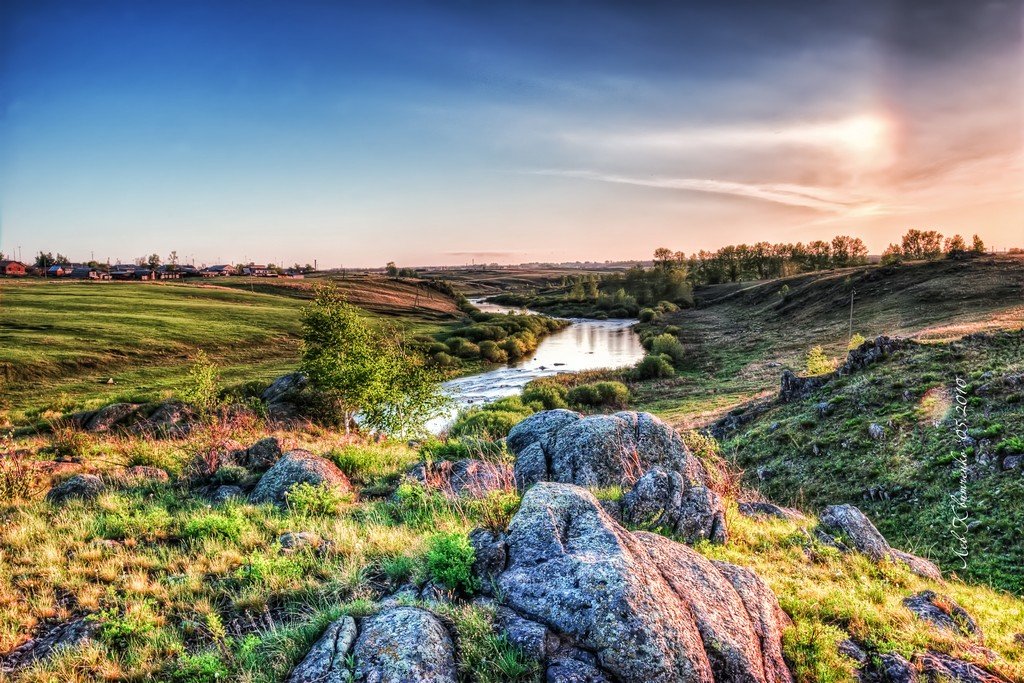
[
  {"x": 106, "y": 418},
  {"x": 79, "y": 487},
  {"x": 170, "y": 419},
  {"x": 793, "y": 387},
  {"x": 223, "y": 494},
  {"x": 325, "y": 662},
  {"x": 940, "y": 668},
  {"x": 489, "y": 556},
  {"x": 876, "y": 431},
  {"x": 143, "y": 473},
  {"x": 285, "y": 388},
  {"x": 663, "y": 500},
  {"x": 853, "y": 527},
  {"x": 297, "y": 467},
  {"x": 468, "y": 477},
  {"x": 761, "y": 509},
  {"x": 404, "y": 645},
  {"x": 598, "y": 450},
  {"x": 260, "y": 456},
  {"x": 943, "y": 612},
  {"x": 643, "y": 607}
]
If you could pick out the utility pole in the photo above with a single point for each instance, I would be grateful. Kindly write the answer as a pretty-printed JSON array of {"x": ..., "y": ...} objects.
[{"x": 851, "y": 312}]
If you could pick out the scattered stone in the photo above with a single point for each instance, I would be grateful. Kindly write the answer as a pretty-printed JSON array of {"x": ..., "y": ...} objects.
[
  {"x": 1013, "y": 462},
  {"x": 468, "y": 477},
  {"x": 761, "y": 509},
  {"x": 598, "y": 450},
  {"x": 404, "y": 645},
  {"x": 943, "y": 612},
  {"x": 325, "y": 662},
  {"x": 260, "y": 456},
  {"x": 223, "y": 494},
  {"x": 918, "y": 565},
  {"x": 644, "y": 607},
  {"x": 876, "y": 431},
  {"x": 940, "y": 668},
  {"x": 533, "y": 639},
  {"x": 663, "y": 500},
  {"x": 85, "y": 487},
  {"x": 293, "y": 541},
  {"x": 849, "y": 648},
  {"x": 293, "y": 468},
  {"x": 170, "y": 420},
  {"x": 144, "y": 473},
  {"x": 47, "y": 642},
  {"x": 285, "y": 388}
]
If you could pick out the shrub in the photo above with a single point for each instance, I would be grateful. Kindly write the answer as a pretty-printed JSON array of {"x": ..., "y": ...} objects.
[
  {"x": 450, "y": 561},
  {"x": 600, "y": 394},
  {"x": 463, "y": 348},
  {"x": 648, "y": 315},
  {"x": 668, "y": 345},
  {"x": 550, "y": 395},
  {"x": 818, "y": 363},
  {"x": 229, "y": 474},
  {"x": 444, "y": 360},
  {"x": 493, "y": 353},
  {"x": 492, "y": 421},
  {"x": 855, "y": 341},
  {"x": 123, "y": 631},
  {"x": 653, "y": 366},
  {"x": 214, "y": 525},
  {"x": 201, "y": 389},
  {"x": 321, "y": 500},
  {"x": 204, "y": 667}
]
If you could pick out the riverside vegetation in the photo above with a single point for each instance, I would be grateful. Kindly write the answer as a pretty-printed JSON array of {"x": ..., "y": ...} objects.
[{"x": 173, "y": 565}]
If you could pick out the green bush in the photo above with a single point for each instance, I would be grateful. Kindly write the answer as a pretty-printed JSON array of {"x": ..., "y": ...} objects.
[
  {"x": 444, "y": 360},
  {"x": 855, "y": 341},
  {"x": 818, "y": 363},
  {"x": 321, "y": 500},
  {"x": 493, "y": 420},
  {"x": 654, "y": 366},
  {"x": 463, "y": 348},
  {"x": 214, "y": 525},
  {"x": 548, "y": 394},
  {"x": 669, "y": 345},
  {"x": 450, "y": 561},
  {"x": 648, "y": 315},
  {"x": 492, "y": 353},
  {"x": 204, "y": 667},
  {"x": 229, "y": 474},
  {"x": 600, "y": 395}
]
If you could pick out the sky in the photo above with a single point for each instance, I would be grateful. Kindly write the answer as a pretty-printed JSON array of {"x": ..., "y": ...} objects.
[{"x": 455, "y": 131}]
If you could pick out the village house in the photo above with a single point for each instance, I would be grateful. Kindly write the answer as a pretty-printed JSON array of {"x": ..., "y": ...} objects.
[
  {"x": 12, "y": 268},
  {"x": 218, "y": 271},
  {"x": 80, "y": 272},
  {"x": 58, "y": 270},
  {"x": 257, "y": 271}
]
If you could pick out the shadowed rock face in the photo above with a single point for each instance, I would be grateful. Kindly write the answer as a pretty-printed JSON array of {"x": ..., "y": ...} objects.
[
  {"x": 404, "y": 645},
  {"x": 644, "y": 608},
  {"x": 598, "y": 450},
  {"x": 65, "y": 636},
  {"x": 325, "y": 662},
  {"x": 663, "y": 500},
  {"x": 943, "y": 612},
  {"x": 294, "y": 468},
  {"x": 467, "y": 477},
  {"x": 79, "y": 487}
]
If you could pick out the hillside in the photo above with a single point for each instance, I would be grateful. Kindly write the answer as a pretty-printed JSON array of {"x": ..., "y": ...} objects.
[{"x": 741, "y": 336}]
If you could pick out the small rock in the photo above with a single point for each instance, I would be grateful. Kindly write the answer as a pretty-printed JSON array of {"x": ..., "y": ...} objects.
[
  {"x": 285, "y": 388},
  {"x": 1013, "y": 462},
  {"x": 761, "y": 509},
  {"x": 467, "y": 477},
  {"x": 943, "y": 612},
  {"x": 662, "y": 500},
  {"x": 48, "y": 641},
  {"x": 223, "y": 494},
  {"x": 85, "y": 487},
  {"x": 490, "y": 555},
  {"x": 294, "y": 468},
  {"x": 144, "y": 473},
  {"x": 293, "y": 541},
  {"x": 532, "y": 638},
  {"x": 105, "y": 419},
  {"x": 876, "y": 431},
  {"x": 848, "y": 521},
  {"x": 262, "y": 455}
]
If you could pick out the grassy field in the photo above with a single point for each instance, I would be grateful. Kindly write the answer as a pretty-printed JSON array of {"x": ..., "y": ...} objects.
[
  {"x": 60, "y": 342},
  {"x": 741, "y": 336}
]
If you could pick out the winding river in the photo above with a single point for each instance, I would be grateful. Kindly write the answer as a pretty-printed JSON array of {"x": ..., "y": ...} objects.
[{"x": 586, "y": 344}]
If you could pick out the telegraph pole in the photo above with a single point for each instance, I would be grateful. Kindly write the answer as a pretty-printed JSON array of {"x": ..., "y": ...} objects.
[{"x": 851, "y": 312}]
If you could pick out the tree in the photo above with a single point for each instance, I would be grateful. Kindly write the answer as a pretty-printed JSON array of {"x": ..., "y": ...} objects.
[
  {"x": 45, "y": 260},
  {"x": 391, "y": 269},
  {"x": 955, "y": 245},
  {"x": 153, "y": 261},
  {"x": 848, "y": 251},
  {"x": 922, "y": 244},
  {"x": 364, "y": 369},
  {"x": 892, "y": 255},
  {"x": 977, "y": 246},
  {"x": 172, "y": 259}
]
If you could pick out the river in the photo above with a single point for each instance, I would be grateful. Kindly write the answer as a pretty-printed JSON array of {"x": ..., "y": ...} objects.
[{"x": 586, "y": 344}]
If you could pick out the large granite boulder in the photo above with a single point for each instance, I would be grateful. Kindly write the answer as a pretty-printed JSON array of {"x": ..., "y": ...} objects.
[
  {"x": 664, "y": 500},
  {"x": 634, "y": 605},
  {"x": 171, "y": 419},
  {"x": 325, "y": 662},
  {"x": 598, "y": 450},
  {"x": 467, "y": 477},
  {"x": 846, "y": 525},
  {"x": 85, "y": 487},
  {"x": 404, "y": 645},
  {"x": 297, "y": 467}
]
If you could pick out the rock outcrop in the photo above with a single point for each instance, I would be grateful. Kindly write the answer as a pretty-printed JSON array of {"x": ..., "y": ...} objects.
[
  {"x": 325, "y": 662},
  {"x": 843, "y": 525},
  {"x": 467, "y": 477},
  {"x": 598, "y": 450},
  {"x": 793, "y": 387},
  {"x": 108, "y": 417},
  {"x": 297, "y": 467},
  {"x": 664, "y": 500},
  {"x": 943, "y": 612},
  {"x": 79, "y": 487},
  {"x": 260, "y": 456},
  {"x": 404, "y": 645},
  {"x": 48, "y": 642},
  {"x": 634, "y": 606}
]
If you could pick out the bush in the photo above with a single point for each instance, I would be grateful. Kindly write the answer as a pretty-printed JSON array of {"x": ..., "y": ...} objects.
[
  {"x": 444, "y": 360},
  {"x": 493, "y": 420},
  {"x": 648, "y": 315},
  {"x": 493, "y": 353},
  {"x": 654, "y": 366},
  {"x": 669, "y": 345},
  {"x": 600, "y": 394},
  {"x": 463, "y": 348},
  {"x": 855, "y": 341},
  {"x": 202, "y": 386},
  {"x": 450, "y": 561},
  {"x": 321, "y": 500},
  {"x": 549, "y": 395},
  {"x": 214, "y": 525},
  {"x": 818, "y": 363},
  {"x": 229, "y": 474},
  {"x": 204, "y": 667}
]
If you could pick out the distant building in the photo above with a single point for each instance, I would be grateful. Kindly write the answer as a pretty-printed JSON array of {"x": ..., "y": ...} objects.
[
  {"x": 87, "y": 273},
  {"x": 58, "y": 270},
  {"x": 217, "y": 271},
  {"x": 167, "y": 272},
  {"x": 257, "y": 271},
  {"x": 123, "y": 271},
  {"x": 13, "y": 268}
]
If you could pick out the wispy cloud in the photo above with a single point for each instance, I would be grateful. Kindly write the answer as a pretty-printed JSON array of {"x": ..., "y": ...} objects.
[{"x": 816, "y": 198}]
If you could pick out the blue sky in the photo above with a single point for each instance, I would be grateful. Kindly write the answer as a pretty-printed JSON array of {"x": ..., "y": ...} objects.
[{"x": 455, "y": 131}]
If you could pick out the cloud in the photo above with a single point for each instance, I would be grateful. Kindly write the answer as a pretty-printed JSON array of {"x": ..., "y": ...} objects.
[{"x": 815, "y": 198}]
